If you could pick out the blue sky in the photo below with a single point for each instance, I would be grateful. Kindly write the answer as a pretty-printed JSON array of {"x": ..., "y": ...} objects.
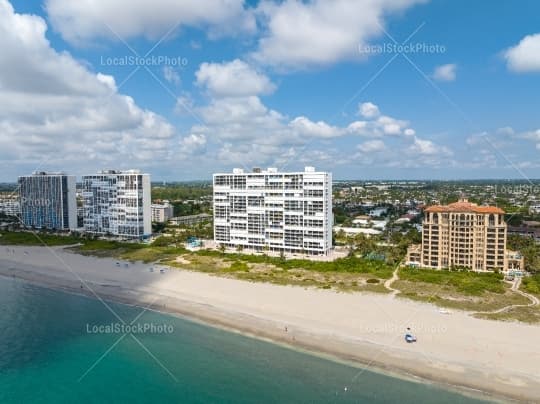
[{"x": 271, "y": 83}]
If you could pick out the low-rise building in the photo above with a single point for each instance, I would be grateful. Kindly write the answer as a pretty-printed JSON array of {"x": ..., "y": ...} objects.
[
  {"x": 162, "y": 212},
  {"x": 190, "y": 220},
  {"x": 525, "y": 231},
  {"x": 10, "y": 207},
  {"x": 514, "y": 261},
  {"x": 351, "y": 231},
  {"x": 534, "y": 209},
  {"x": 378, "y": 212},
  {"x": 414, "y": 255}
]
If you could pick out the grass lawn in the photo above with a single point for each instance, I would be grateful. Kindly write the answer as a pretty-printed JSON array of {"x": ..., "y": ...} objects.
[
  {"x": 328, "y": 280},
  {"x": 459, "y": 290},
  {"x": 451, "y": 297},
  {"x": 129, "y": 251},
  {"x": 531, "y": 284},
  {"x": 37, "y": 239},
  {"x": 347, "y": 265},
  {"x": 466, "y": 282},
  {"x": 152, "y": 254},
  {"x": 524, "y": 314},
  {"x": 106, "y": 248}
]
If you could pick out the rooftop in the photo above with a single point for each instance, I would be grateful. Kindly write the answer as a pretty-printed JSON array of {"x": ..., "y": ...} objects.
[
  {"x": 463, "y": 205},
  {"x": 44, "y": 173},
  {"x": 271, "y": 170},
  {"x": 109, "y": 171}
]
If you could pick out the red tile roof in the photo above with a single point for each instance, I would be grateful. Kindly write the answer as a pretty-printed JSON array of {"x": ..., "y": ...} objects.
[{"x": 465, "y": 207}]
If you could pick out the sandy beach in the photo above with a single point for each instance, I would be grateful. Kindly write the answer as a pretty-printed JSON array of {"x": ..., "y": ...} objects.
[{"x": 502, "y": 359}]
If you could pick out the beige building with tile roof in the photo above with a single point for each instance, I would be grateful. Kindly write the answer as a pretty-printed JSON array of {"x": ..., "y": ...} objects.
[{"x": 464, "y": 234}]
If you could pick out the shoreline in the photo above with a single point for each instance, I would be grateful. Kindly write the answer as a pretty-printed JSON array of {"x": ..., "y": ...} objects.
[
  {"x": 379, "y": 367},
  {"x": 312, "y": 335},
  {"x": 299, "y": 346}
]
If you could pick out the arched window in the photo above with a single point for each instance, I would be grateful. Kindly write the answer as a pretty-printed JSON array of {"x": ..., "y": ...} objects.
[
  {"x": 436, "y": 218},
  {"x": 491, "y": 220}
]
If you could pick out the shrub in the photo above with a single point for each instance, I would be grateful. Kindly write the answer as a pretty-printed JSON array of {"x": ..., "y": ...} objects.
[
  {"x": 531, "y": 284},
  {"x": 238, "y": 266},
  {"x": 36, "y": 239},
  {"x": 468, "y": 282},
  {"x": 350, "y": 264},
  {"x": 162, "y": 241}
]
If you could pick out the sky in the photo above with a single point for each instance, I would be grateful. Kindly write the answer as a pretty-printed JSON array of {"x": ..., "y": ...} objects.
[{"x": 366, "y": 89}]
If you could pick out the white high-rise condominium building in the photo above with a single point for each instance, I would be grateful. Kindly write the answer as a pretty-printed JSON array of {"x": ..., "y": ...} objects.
[
  {"x": 47, "y": 200},
  {"x": 117, "y": 203},
  {"x": 275, "y": 211}
]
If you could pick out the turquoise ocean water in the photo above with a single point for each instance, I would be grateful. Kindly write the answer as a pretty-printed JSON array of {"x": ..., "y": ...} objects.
[{"x": 48, "y": 345}]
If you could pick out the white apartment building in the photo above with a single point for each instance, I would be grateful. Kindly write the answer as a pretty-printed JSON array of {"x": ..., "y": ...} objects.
[
  {"x": 161, "y": 212},
  {"x": 117, "y": 203},
  {"x": 288, "y": 212},
  {"x": 47, "y": 200}
]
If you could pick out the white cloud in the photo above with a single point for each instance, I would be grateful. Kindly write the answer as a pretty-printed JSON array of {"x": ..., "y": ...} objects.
[
  {"x": 358, "y": 128},
  {"x": 305, "y": 127},
  {"x": 184, "y": 104},
  {"x": 409, "y": 132},
  {"x": 369, "y": 110},
  {"x": 249, "y": 133},
  {"x": 193, "y": 144},
  {"x": 300, "y": 34},
  {"x": 391, "y": 126},
  {"x": 83, "y": 21},
  {"x": 525, "y": 56},
  {"x": 507, "y": 130},
  {"x": 235, "y": 78},
  {"x": 377, "y": 125},
  {"x": 445, "y": 72},
  {"x": 54, "y": 108},
  {"x": 372, "y": 146},
  {"x": 532, "y": 135},
  {"x": 511, "y": 145},
  {"x": 424, "y": 147},
  {"x": 242, "y": 119},
  {"x": 401, "y": 152},
  {"x": 107, "y": 80},
  {"x": 476, "y": 138},
  {"x": 171, "y": 75}
]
